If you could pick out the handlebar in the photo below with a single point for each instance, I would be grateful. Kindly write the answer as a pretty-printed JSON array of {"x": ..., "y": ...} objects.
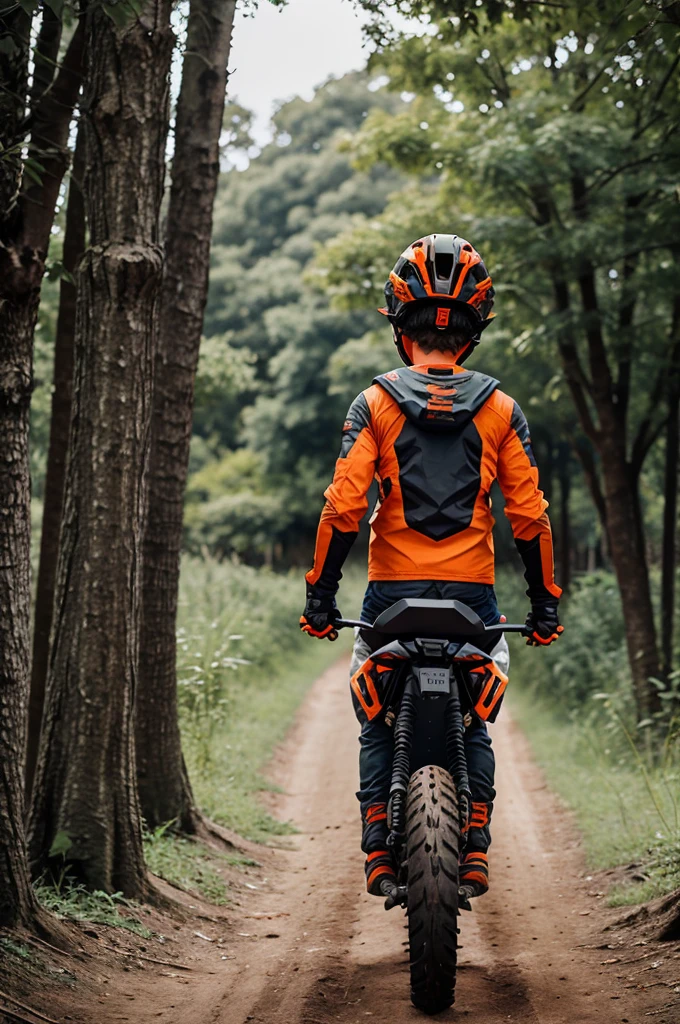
[{"x": 507, "y": 627}]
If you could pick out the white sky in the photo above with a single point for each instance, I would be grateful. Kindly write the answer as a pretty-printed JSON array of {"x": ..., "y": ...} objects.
[{"x": 278, "y": 54}]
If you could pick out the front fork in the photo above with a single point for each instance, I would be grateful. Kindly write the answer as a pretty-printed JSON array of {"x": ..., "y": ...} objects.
[{"x": 401, "y": 766}]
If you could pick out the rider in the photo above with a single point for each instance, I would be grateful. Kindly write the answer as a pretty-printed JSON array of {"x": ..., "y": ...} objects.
[{"x": 435, "y": 437}]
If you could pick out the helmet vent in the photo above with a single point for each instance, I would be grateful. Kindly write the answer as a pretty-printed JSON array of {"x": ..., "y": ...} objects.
[{"x": 443, "y": 265}]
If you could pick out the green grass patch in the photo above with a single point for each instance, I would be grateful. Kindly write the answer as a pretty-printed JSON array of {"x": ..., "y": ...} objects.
[
  {"x": 260, "y": 715},
  {"x": 624, "y": 810},
  {"x": 190, "y": 865},
  {"x": 574, "y": 702},
  {"x": 16, "y": 949},
  {"x": 244, "y": 668},
  {"x": 75, "y": 902}
]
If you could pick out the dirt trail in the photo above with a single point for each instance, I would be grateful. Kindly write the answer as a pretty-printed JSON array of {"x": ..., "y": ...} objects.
[
  {"x": 337, "y": 956},
  {"x": 306, "y": 945}
]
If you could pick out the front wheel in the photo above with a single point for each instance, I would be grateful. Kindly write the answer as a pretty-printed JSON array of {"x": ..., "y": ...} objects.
[{"x": 432, "y": 848}]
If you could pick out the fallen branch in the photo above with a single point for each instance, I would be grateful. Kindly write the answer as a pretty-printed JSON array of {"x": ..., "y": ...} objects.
[
  {"x": 27, "y": 1009},
  {"x": 15, "y": 1015},
  {"x": 33, "y": 940}
]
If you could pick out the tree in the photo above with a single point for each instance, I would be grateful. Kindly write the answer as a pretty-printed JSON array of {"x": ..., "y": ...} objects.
[
  {"x": 164, "y": 788},
  {"x": 28, "y": 193},
  {"x": 60, "y": 422},
  {"x": 555, "y": 136},
  {"x": 85, "y": 806}
]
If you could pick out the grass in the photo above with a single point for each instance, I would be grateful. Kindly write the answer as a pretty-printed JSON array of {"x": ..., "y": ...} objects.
[
  {"x": 16, "y": 949},
  {"x": 622, "y": 811},
  {"x": 75, "y": 902},
  {"x": 244, "y": 668},
  {"x": 574, "y": 704},
  {"x": 190, "y": 865}
]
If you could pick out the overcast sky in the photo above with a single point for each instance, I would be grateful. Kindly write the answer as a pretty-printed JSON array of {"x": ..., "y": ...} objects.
[{"x": 278, "y": 54}]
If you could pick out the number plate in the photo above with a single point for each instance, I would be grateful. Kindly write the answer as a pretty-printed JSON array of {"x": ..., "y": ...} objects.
[{"x": 435, "y": 680}]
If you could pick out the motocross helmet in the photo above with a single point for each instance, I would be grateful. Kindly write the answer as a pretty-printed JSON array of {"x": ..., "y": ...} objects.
[{"x": 443, "y": 271}]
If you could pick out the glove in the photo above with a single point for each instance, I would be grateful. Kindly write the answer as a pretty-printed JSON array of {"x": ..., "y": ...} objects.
[
  {"x": 543, "y": 625},
  {"x": 320, "y": 614}
]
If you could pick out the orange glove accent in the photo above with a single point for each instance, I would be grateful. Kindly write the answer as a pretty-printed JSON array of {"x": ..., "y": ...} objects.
[
  {"x": 536, "y": 640},
  {"x": 329, "y": 633}
]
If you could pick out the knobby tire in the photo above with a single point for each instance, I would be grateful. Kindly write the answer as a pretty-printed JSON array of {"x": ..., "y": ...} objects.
[{"x": 432, "y": 850}]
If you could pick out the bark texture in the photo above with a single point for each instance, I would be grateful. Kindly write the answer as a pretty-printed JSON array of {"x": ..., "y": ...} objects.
[
  {"x": 614, "y": 485},
  {"x": 85, "y": 787},
  {"x": 629, "y": 559},
  {"x": 670, "y": 506},
  {"x": 17, "y": 904},
  {"x": 60, "y": 422},
  {"x": 164, "y": 787}
]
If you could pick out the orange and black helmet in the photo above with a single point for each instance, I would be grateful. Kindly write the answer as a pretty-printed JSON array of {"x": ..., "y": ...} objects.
[{"x": 443, "y": 271}]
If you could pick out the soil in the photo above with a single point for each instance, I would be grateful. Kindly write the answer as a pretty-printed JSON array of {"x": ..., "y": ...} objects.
[{"x": 304, "y": 944}]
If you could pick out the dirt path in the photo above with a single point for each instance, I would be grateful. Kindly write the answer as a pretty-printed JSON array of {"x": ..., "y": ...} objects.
[
  {"x": 305, "y": 945},
  {"x": 335, "y": 955}
]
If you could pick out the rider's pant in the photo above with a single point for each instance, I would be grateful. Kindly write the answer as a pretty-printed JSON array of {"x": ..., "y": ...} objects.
[{"x": 377, "y": 739}]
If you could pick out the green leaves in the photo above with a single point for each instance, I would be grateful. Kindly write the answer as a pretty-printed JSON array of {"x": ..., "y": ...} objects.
[{"x": 61, "y": 844}]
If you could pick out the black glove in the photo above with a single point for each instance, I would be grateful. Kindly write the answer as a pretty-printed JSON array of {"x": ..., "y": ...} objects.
[
  {"x": 543, "y": 624},
  {"x": 320, "y": 614}
]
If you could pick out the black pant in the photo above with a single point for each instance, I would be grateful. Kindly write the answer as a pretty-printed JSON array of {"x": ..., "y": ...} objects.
[{"x": 377, "y": 739}]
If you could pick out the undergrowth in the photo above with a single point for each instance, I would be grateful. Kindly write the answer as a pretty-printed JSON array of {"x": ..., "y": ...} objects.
[
  {"x": 16, "y": 949},
  {"x": 73, "y": 901},
  {"x": 244, "y": 668},
  {"x": 190, "y": 865},
  {"x": 574, "y": 701}
]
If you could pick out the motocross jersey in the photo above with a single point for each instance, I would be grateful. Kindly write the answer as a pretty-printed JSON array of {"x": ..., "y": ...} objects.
[{"x": 435, "y": 438}]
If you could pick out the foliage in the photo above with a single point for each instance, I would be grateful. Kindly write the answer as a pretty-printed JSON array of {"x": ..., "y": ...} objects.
[
  {"x": 574, "y": 702},
  {"x": 73, "y": 901},
  {"x": 188, "y": 864},
  {"x": 621, "y": 811},
  {"x": 662, "y": 871},
  {"x": 550, "y": 138},
  {"x": 17, "y": 949},
  {"x": 244, "y": 667}
]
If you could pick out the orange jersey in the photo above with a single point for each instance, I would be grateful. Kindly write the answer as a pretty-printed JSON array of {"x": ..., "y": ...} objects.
[{"x": 435, "y": 439}]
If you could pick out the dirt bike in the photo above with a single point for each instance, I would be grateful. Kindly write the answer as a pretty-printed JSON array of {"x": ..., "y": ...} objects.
[{"x": 431, "y": 669}]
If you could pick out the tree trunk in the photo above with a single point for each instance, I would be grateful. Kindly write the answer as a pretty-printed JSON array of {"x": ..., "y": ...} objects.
[
  {"x": 17, "y": 309},
  {"x": 629, "y": 560},
  {"x": 670, "y": 508},
  {"x": 85, "y": 791},
  {"x": 565, "y": 525},
  {"x": 164, "y": 788},
  {"x": 74, "y": 245},
  {"x": 17, "y": 904},
  {"x": 670, "y": 525}
]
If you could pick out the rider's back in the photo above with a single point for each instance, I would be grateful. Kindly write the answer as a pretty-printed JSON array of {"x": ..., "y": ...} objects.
[{"x": 435, "y": 438}]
